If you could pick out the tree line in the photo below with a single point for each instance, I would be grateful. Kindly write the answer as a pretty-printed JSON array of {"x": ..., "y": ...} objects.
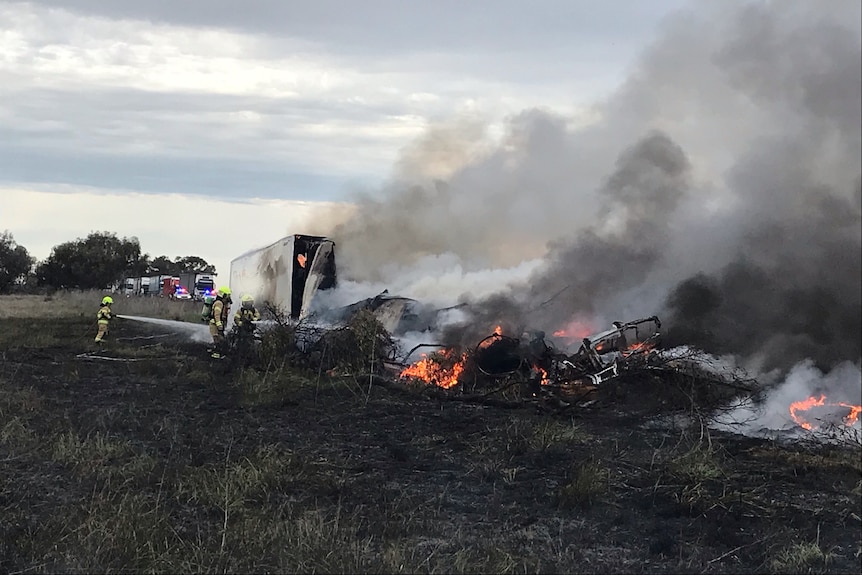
[{"x": 98, "y": 261}]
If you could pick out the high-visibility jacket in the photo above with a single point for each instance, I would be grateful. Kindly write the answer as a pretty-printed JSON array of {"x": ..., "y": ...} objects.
[
  {"x": 220, "y": 312},
  {"x": 245, "y": 314},
  {"x": 105, "y": 314}
]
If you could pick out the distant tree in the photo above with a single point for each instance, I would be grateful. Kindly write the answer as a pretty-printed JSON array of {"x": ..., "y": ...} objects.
[
  {"x": 140, "y": 268},
  {"x": 97, "y": 261},
  {"x": 162, "y": 265},
  {"x": 15, "y": 262},
  {"x": 195, "y": 264},
  {"x": 165, "y": 266}
]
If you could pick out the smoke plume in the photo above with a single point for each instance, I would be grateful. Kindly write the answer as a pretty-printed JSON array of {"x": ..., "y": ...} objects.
[{"x": 718, "y": 187}]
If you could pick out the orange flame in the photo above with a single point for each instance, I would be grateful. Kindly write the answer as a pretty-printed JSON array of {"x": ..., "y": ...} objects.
[
  {"x": 545, "y": 379},
  {"x": 638, "y": 347},
  {"x": 801, "y": 406},
  {"x": 301, "y": 259},
  {"x": 575, "y": 330},
  {"x": 433, "y": 371},
  {"x": 498, "y": 331}
]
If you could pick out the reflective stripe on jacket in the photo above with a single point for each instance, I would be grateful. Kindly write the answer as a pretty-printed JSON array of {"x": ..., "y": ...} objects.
[
  {"x": 220, "y": 312},
  {"x": 105, "y": 315}
]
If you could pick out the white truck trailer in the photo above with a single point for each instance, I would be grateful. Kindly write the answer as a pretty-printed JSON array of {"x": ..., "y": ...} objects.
[{"x": 286, "y": 274}]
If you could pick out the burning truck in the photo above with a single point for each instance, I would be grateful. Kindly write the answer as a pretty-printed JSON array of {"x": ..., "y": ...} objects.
[
  {"x": 541, "y": 363},
  {"x": 287, "y": 273},
  {"x": 290, "y": 273},
  {"x": 599, "y": 358}
]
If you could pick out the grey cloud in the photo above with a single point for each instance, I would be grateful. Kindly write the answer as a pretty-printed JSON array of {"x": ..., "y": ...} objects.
[
  {"x": 442, "y": 49},
  {"x": 541, "y": 45},
  {"x": 185, "y": 143},
  {"x": 158, "y": 174},
  {"x": 504, "y": 26}
]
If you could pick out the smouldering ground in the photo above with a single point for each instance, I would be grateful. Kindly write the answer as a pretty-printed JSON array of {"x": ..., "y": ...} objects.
[{"x": 170, "y": 462}]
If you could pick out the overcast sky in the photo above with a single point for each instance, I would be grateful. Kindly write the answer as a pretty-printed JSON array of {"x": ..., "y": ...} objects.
[{"x": 225, "y": 101}]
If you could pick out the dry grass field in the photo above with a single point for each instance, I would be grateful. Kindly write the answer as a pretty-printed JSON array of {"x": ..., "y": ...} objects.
[{"x": 160, "y": 459}]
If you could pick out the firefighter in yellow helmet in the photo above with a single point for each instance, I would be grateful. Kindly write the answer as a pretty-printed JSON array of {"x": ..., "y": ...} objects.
[
  {"x": 246, "y": 314},
  {"x": 243, "y": 333},
  {"x": 104, "y": 317},
  {"x": 218, "y": 318}
]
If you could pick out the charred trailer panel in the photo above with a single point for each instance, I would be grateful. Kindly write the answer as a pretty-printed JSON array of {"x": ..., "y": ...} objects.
[
  {"x": 287, "y": 273},
  {"x": 313, "y": 269}
]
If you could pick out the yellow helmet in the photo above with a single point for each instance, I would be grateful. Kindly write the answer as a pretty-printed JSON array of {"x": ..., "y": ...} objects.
[
  {"x": 107, "y": 300},
  {"x": 224, "y": 290},
  {"x": 247, "y": 297}
]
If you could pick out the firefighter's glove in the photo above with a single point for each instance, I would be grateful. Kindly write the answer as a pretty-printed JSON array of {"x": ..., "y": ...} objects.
[{"x": 219, "y": 326}]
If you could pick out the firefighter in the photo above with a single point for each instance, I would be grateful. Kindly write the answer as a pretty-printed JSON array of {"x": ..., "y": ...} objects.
[
  {"x": 104, "y": 317},
  {"x": 218, "y": 318},
  {"x": 246, "y": 314},
  {"x": 242, "y": 339}
]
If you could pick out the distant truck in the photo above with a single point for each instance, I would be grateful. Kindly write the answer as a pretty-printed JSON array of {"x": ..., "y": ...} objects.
[
  {"x": 132, "y": 286},
  {"x": 145, "y": 285},
  {"x": 203, "y": 285},
  {"x": 287, "y": 273},
  {"x": 197, "y": 285},
  {"x": 168, "y": 286}
]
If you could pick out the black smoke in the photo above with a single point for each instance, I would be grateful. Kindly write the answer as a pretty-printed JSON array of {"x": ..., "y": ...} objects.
[{"x": 719, "y": 187}]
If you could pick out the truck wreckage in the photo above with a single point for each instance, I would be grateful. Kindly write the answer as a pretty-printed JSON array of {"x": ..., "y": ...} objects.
[
  {"x": 599, "y": 358},
  {"x": 539, "y": 363},
  {"x": 286, "y": 277},
  {"x": 288, "y": 274}
]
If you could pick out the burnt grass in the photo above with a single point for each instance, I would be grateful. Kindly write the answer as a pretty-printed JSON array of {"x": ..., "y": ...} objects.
[{"x": 169, "y": 461}]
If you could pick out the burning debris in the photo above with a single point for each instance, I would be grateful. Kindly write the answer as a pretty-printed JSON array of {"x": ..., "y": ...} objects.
[
  {"x": 629, "y": 350},
  {"x": 568, "y": 366},
  {"x": 802, "y": 412},
  {"x": 601, "y": 357},
  {"x": 441, "y": 369}
]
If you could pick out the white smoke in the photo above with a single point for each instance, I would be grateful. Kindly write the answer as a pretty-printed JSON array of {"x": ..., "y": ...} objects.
[
  {"x": 840, "y": 385},
  {"x": 439, "y": 280}
]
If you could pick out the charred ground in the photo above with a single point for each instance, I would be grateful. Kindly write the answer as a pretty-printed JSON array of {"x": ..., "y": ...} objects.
[{"x": 167, "y": 461}]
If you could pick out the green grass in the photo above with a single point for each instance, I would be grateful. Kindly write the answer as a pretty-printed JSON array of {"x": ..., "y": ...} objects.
[
  {"x": 77, "y": 304},
  {"x": 16, "y": 435},
  {"x": 700, "y": 463},
  {"x": 257, "y": 477},
  {"x": 805, "y": 557},
  {"x": 270, "y": 387},
  {"x": 552, "y": 433},
  {"x": 588, "y": 482}
]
